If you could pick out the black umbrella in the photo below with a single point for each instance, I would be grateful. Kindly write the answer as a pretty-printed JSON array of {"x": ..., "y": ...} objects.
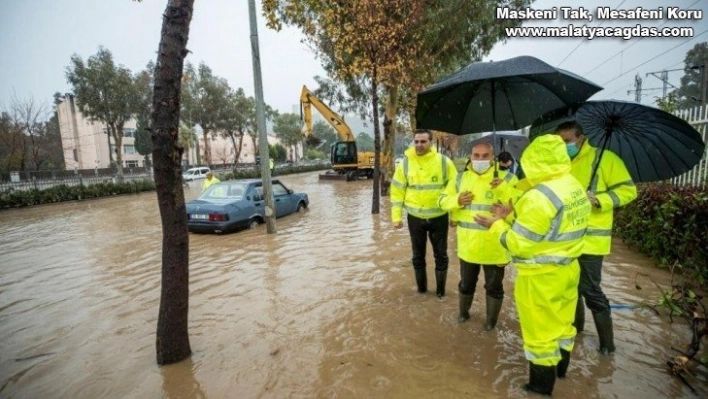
[
  {"x": 653, "y": 144},
  {"x": 503, "y": 95}
]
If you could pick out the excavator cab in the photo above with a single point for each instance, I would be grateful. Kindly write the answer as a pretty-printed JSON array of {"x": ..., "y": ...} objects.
[{"x": 344, "y": 154}]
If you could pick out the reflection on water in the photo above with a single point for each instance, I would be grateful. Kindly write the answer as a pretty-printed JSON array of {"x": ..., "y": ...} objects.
[
  {"x": 179, "y": 382},
  {"x": 325, "y": 308}
]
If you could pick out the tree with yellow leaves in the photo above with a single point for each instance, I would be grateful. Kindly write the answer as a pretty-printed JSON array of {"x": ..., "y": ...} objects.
[{"x": 399, "y": 46}]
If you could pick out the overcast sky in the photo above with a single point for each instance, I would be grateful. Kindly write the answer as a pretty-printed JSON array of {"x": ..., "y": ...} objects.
[{"x": 38, "y": 37}]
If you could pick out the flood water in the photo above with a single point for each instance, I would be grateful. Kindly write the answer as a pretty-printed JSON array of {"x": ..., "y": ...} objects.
[{"x": 326, "y": 308}]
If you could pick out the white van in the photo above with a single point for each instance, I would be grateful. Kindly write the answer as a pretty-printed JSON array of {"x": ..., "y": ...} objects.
[{"x": 195, "y": 174}]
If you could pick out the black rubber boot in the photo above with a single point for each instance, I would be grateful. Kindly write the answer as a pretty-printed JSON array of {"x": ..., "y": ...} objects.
[
  {"x": 494, "y": 306},
  {"x": 603, "y": 323},
  {"x": 465, "y": 305},
  {"x": 541, "y": 379},
  {"x": 562, "y": 367},
  {"x": 579, "y": 322},
  {"x": 440, "y": 280},
  {"x": 421, "y": 278}
]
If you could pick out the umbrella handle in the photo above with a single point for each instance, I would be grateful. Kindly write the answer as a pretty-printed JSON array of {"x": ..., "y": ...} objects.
[{"x": 606, "y": 141}]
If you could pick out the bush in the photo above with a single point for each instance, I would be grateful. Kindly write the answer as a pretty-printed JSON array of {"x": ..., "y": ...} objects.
[
  {"x": 60, "y": 193},
  {"x": 255, "y": 173},
  {"x": 668, "y": 223},
  {"x": 314, "y": 154}
]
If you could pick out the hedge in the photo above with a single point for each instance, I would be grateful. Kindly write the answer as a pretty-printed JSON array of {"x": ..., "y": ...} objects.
[
  {"x": 22, "y": 198},
  {"x": 668, "y": 223}
]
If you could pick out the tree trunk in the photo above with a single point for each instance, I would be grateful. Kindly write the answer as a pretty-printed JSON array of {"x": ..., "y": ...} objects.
[
  {"x": 375, "y": 204},
  {"x": 207, "y": 147},
  {"x": 254, "y": 140},
  {"x": 172, "y": 340},
  {"x": 117, "y": 132},
  {"x": 237, "y": 148},
  {"x": 389, "y": 138}
]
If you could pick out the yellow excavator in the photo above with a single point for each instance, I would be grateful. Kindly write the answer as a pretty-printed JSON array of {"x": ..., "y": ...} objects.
[{"x": 347, "y": 161}]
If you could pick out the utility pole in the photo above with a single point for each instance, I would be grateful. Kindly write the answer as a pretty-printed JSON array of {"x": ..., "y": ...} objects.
[
  {"x": 638, "y": 89},
  {"x": 664, "y": 77},
  {"x": 260, "y": 122}
]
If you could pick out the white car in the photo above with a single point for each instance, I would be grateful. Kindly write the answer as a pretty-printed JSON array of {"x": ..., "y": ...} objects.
[{"x": 195, "y": 174}]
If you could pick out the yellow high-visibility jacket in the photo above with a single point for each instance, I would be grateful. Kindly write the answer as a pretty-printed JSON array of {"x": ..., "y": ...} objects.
[
  {"x": 417, "y": 183},
  {"x": 551, "y": 217},
  {"x": 208, "y": 182},
  {"x": 613, "y": 187},
  {"x": 475, "y": 244}
]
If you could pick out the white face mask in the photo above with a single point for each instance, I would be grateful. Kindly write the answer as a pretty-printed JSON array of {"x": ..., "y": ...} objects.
[{"x": 481, "y": 166}]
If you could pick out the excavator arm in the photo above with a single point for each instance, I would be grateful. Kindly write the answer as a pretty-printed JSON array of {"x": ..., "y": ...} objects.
[{"x": 309, "y": 100}]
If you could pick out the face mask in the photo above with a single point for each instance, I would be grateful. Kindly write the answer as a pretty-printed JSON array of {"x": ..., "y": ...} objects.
[
  {"x": 480, "y": 166},
  {"x": 573, "y": 149}
]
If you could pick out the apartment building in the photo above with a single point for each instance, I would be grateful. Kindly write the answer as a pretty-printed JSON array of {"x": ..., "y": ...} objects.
[{"x": 87, "y": 144}]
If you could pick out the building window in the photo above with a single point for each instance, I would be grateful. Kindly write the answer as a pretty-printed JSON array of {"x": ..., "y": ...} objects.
[
  {"x": 128, "y": 132},
  {"x": 131, "y": 164},
  {"x": 76, "y": 156},
  {"x": 128, "y": 149}
]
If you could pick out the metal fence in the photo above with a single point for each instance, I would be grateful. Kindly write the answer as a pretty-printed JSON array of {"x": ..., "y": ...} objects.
[
  {"x": 698, "y": 176},
  {"x": 43, "y": 179}
]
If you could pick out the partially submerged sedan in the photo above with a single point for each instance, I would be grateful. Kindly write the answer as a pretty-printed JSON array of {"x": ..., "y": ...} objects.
[{"x": 235, "y": 204}]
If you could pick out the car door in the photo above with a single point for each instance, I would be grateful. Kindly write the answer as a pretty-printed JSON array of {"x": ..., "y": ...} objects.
[
  {"x": 284, "y": 205},
  {"x": 258, "y": 200}
]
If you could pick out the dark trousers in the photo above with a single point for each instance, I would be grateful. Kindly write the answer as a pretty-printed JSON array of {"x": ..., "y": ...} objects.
[
  {"x": 590, "y": 279},
  {"x": 493, "y": 278},
  {"x": 435, "y": 229}
]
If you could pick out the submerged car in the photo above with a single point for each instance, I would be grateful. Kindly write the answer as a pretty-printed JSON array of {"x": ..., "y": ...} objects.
[{"x": 237, "y": 204}]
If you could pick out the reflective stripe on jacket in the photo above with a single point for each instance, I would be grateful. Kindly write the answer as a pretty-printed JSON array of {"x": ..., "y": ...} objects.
[
  {"x": 417, "y": 183},
  {"x": 613, "y": 187},
  {"x": 475, "y": 244}
]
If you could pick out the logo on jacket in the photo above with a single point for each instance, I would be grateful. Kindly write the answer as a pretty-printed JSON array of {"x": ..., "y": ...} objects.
[
  {"x": 435, "y": 179},
  {"x": 489, "y": 195}
]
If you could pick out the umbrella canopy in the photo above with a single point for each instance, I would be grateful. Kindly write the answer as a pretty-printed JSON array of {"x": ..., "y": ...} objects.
[
  {"x": 510, "y": 140},
  {"x": 502, "y": 95},
  {"x": 653, "y": 144}
]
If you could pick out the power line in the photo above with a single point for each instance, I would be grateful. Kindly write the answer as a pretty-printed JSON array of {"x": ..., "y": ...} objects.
[
  {"x": 652, "y": 59},
  {"x": 621, "y": 89},
  {"x": 584, "y": 40},
  {"x": 630, "y": 46}
]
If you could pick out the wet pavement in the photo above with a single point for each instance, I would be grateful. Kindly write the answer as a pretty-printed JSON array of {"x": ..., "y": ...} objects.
[{"x": 326, "y": 308}]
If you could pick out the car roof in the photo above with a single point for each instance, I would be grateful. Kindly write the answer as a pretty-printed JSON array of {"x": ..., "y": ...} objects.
[
  {"x": 251, "y": 181},
  {"x": 246, "y": 181}
]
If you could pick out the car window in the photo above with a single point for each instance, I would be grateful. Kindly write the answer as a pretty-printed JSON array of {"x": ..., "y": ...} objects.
[
  {"x": 279, "y": 189},
  {"x": 258, "y": 194},
  {"x": 223, "y": 191}
]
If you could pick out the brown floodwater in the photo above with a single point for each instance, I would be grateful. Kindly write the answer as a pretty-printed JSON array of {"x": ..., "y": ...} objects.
[{"x": 325, "y": 308}]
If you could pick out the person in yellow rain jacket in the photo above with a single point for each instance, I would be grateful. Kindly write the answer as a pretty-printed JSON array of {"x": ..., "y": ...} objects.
[
  {"x": 612, "y": 188},
  {"x": 415, "y": 187},
  {"x": 545, "y": 240},
  {"x": 210, "y": 179},
  {"x": 474, "y": 192}
]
